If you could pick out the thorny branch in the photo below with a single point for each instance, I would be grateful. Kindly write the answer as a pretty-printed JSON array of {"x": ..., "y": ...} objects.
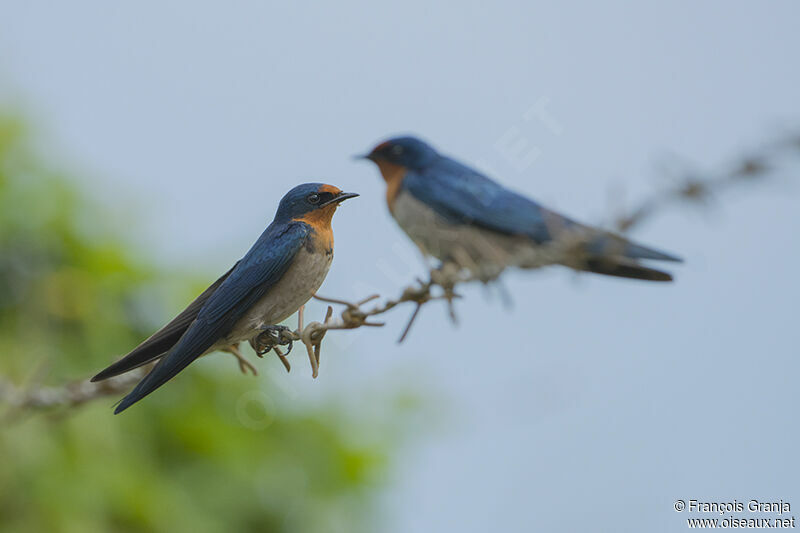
[
  {"x": 688, "y": 186},
  {"x": 35, "y": 397}
]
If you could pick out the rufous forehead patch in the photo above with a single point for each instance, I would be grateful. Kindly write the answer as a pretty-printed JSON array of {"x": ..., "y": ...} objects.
[{"x": 330, "y": 188}]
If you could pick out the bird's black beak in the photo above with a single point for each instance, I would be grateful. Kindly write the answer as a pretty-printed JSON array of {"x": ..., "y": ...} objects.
[
  {"x": 341, "y": 197},
  {"x": 369, "y": 156}
]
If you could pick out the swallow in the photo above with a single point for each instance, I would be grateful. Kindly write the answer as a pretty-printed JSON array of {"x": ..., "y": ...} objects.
[
  {"x": 278, "y": 275},
  {"x": 460, "y": 216}
]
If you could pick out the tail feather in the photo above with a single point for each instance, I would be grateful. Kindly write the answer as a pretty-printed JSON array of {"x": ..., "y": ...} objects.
[
  {"x": 164, "y": 339},
  {"x": 165, "y": 370},
  {"x": 625, "y": 269},
  {"x": 637, "y": 251},
  {"x": 140, "y": 356},
  {"x": 610, "y": 244}
]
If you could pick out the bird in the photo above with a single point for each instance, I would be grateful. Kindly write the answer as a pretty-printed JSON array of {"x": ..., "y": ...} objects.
[
  {"x": 278, "y": 275},
  {"x": 462, "y": 217}
]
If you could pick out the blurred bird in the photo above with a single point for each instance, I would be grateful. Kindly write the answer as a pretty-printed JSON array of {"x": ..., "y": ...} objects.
[
  {"x": 457, "y": 215},
  {"x": 279, "y": 274}
]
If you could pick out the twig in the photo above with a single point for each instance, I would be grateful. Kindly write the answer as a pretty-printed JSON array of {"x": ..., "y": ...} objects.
[{"x": 20, "y": 399}]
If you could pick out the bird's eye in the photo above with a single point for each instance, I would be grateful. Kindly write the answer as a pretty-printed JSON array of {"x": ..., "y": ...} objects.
[
  {"x": 313, "y": 198},
  {"x": 397, "y": 149}
]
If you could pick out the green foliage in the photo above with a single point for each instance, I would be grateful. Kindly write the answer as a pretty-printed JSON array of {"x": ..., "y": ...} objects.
[{"x": 210, "y": 452}]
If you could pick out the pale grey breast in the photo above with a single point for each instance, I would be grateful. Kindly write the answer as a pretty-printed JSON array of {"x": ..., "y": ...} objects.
[
  {"x": 298, "y": 284},
  {"x": 483, "y": 252}
]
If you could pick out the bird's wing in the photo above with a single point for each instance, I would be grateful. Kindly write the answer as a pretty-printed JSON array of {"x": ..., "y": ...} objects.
[
  {"x": 465, "y": 196},
  {"x": 162, "y": 340},
  {"x": 261, "y": 267}
]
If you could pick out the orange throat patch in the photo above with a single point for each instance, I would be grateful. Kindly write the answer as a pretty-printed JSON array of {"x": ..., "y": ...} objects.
[
  {"x": 320, "y": 221},
  {"x": 393, "y": 176}
]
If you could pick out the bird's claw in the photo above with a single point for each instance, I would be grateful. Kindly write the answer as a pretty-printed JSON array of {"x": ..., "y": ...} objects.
[{"x": 270, "y": 338}]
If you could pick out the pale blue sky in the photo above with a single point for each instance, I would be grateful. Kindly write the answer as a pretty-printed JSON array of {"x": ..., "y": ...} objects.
[{"x": 607, "y": 400}]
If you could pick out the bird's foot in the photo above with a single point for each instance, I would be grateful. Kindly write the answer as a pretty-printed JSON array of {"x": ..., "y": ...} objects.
[
  {"x": 447, "y": 276},
  {"x": 244, "y": 364},
  {"x": 271, "y": 337}
]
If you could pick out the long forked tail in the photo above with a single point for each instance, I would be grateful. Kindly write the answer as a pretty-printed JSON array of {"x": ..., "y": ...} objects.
[{"x": 614, "y": 255}]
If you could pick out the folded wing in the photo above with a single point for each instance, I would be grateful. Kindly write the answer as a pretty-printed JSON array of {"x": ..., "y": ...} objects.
[{"x": 253, "y": 276}]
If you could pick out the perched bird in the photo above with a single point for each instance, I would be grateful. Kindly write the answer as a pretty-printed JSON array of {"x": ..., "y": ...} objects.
[
  {"x": 279, "y": 274},
  {"x": 457, "y": 215}
]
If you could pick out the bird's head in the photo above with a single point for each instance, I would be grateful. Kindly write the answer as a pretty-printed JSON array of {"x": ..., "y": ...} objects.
[
  {"x": 408, "y": 152},
  {"x": 313, "y": 203}
]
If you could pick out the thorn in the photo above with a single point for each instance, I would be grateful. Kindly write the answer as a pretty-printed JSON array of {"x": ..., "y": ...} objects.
[
  {"x": 313, "y": 360},
  {"x": 283, "y": 359},
  {"x": 451, "y": 311},
  {"x": 368, "y": 299},
  {"x": 333, "y": 301},
  {"x": 410, "y": 321}
]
